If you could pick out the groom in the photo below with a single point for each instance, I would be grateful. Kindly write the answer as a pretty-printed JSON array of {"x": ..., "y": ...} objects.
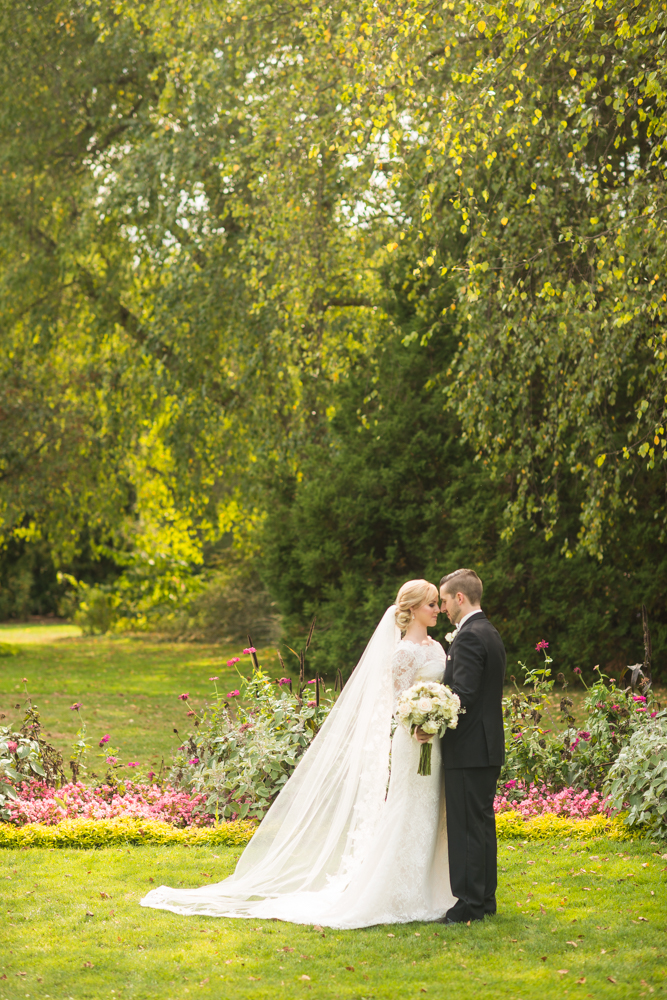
[{"x": 473, "y": 752}]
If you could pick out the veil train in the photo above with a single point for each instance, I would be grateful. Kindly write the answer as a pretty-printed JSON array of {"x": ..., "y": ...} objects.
[{"x": 321, "y": 827}]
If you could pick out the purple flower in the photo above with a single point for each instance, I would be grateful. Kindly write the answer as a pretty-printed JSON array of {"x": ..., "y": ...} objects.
[
  {"x": 133, "y": 763},
  {"x": 12, "y": 746},
  {"x": 639, "y": 697},
  {"x": 183, "y": 697},
  {"x": 584, "y": 736},
  {"x": 112, "y": 760},
  {"x": 542, "y": 645},
  {"x": 193, "y": 760},
  {"x": 234, "y": 659},
  {"x": 249, "y": 650},
  {"x": 577, "y": 670},
  {"x": 76, "y": 706},
  {"x": 283, "y": 680},
  {"x": 105, "y": 739},
  {"x": 233, "y": 694},
  {"x": 214, "y": 678}
]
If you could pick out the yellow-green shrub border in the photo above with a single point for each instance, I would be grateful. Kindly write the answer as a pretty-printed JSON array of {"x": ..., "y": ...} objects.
[
  {"x": 513, "y": 826},
  {"x": 122, "y": 830},
  {"x": 88, "y": 833}
]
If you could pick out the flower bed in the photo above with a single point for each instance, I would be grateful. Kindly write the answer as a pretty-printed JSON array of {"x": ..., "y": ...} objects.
[
  {"x": 536, "y": 800},
  {"x": 38, "y": 803}
]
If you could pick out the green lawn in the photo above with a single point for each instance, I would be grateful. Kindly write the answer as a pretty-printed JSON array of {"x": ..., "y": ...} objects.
[
  {"x": 128, "y": 686},
  {"x": 575, "y": 920}
]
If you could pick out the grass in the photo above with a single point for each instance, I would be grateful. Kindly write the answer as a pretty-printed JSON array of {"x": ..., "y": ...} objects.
[
  {"x": 129, "y": 686},
  {"x": 575, "y": 920}
]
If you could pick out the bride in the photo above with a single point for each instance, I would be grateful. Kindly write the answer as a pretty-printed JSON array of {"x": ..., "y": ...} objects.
[{"x": 345, "y": 844}]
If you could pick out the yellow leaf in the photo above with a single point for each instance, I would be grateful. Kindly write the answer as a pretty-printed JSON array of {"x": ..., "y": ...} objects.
[
  {"x": 573, "y": 73},
  {"x": 481, "y": 27},
  {"x": 504, "y": 221},
  {"x": 599, "y": 461}
]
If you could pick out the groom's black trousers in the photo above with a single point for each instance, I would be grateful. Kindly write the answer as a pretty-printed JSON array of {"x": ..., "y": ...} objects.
[{"x": 471, "y": 832}]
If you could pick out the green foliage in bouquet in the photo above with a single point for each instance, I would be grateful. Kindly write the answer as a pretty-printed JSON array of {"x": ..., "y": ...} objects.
[
  {"x": 245, "y": 746},
  {"x": 637, "y": 781}
]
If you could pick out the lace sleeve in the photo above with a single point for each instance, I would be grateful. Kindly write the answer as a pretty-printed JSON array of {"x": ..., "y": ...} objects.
[{"x": 403, "y": 668}]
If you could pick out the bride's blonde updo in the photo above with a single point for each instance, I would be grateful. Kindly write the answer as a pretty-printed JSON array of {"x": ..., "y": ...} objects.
[{"x": 411, "y": 596}]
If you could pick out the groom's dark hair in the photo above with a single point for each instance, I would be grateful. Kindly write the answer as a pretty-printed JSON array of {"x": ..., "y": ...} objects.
[{"x": 466, "y": 582}]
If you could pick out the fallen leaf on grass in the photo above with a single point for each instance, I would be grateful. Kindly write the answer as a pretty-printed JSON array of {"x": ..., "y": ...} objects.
[
  {"x": 285, "y": 948},
  {"x": 575, "y": 944},
  {"x": 204, "y": 981},
  {"x": 105, "y": 895},
  {"x": 150, "y": 879},
  {"x": 21, "y": 973},
  {"x": 391, "y": 935},
  {"x": 257, "y": 978},
  {"x": 228, "y": 961},
  {"x": 423, "y": 990},
  {"x": 350, "y": 968},
  {"x": 611, "y": 979},
  {"x": 88, "y": 965},
  {"x": 581, "y": 981},
  {"x": 544, "y": 958},
  {"x": 305, "y": 978},
  {"x": 645, "y": 919},
  {"x": 3, "y": 976},
  {"x": 89, "y": 914},
  {"x": 563, "y": 972},
  {"x": 318, "y": 928}
]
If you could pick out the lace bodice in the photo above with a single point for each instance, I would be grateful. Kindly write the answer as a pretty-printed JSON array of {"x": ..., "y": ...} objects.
[{"x": 414, "y": 662}]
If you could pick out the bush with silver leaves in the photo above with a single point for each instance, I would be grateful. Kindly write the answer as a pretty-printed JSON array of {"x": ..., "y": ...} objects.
[{"x": 637, "y": 781}]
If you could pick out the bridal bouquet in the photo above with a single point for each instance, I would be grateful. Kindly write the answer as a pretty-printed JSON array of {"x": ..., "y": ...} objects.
[{"x": 431, "y": 707}]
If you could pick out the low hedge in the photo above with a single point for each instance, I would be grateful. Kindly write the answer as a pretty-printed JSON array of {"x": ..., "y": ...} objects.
[
  {"x": 513, "y": 826},
  {"x": 90, "y": 833},
  {"x": 122, "y": 830}
]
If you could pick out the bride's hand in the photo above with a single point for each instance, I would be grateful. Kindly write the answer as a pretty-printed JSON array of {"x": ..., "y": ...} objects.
[{"x": 421, "y": 736}]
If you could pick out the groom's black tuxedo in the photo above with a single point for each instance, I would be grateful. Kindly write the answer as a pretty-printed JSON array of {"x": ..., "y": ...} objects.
[
  {"x": 472, "y": 756},
  {"x": 476, "y": 672}
]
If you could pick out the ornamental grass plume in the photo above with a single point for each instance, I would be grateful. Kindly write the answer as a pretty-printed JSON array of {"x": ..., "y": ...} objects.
[{"x": 39, "y": 803}]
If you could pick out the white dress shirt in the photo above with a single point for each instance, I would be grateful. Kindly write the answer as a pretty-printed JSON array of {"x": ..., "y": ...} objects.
[{"x": 466, "y": 617}]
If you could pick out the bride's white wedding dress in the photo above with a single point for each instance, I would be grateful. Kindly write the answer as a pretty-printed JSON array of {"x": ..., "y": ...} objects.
[{"x": 338, "y": 848}]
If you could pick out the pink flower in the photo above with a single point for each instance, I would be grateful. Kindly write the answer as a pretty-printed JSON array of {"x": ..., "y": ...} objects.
[
  {"x": 190, "y": 714},
  {"x": 312, "y": 704},
  {"x": 193, "y": 760},
  {"x": 640, "y": 710},
  {"x": 183, "y": 697},
  {"x": 283, "y": 680},
  {"x": 76, "y": 706},
  {"x": 133, "y": 763},
  {"x": 311, "y": 682},
  {"x": 12, "y": 746},
  {"x": 542, "y": 645},
  {"x": 112, "y": 760},
  {"x": 234, "y": 659},
  {"x": 639, "y": 697},
  {"x": 615, "y": 708},
  {"x": 577, "y": 670},
  {"x": 214, "y": 678},
  {"x": 654, "y": 713},
  {"x": 233, "y": 694},
  {"x": 249, "y": 650},
  {"x": 584, "y": 736},
  {"x": 151, "y": 774},
  {"x": 105, "y": 739}
]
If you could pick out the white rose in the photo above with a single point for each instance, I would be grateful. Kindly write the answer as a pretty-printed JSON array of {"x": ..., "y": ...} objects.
[
  {"x": 424, "y": 704},
  {"x": 430, "y": 727}
]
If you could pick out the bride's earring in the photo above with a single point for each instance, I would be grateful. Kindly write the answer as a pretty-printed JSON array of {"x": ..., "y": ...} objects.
[{"x": 413, "y": 616}]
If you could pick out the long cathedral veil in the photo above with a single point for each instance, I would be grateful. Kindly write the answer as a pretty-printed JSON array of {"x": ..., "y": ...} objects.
[{"x": 321, "y": 826}]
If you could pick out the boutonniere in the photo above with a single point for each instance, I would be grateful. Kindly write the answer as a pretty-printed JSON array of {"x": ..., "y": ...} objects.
[{"x": 450, "y": 637}]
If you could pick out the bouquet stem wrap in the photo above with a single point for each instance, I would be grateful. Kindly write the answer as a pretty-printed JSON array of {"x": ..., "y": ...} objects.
[{"x": 424, "y": 759}]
